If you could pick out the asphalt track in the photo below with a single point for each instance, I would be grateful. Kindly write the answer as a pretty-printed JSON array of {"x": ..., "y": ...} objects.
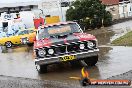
[{"x": 15, "y": 82}]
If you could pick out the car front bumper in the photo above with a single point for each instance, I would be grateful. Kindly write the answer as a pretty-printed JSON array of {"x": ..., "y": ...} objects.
[{"x": 79, "y": 56}]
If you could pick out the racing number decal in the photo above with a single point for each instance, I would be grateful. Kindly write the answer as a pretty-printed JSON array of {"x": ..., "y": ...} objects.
[{"x": 67, "y": 58}]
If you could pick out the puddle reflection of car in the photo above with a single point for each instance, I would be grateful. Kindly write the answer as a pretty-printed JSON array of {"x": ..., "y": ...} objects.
[
  {"x": 63, "y": 42},
  {"x": 16, "y": 39}
]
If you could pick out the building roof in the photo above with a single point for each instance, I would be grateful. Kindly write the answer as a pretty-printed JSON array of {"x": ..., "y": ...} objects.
[
  {"x": 2, "y": 5},
  {"x": 110, "y": 2},
  {"x": 17, "y": 4}
]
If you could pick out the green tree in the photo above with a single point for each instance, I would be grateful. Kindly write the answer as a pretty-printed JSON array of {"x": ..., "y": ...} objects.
[{"x": 92, "y": 12}]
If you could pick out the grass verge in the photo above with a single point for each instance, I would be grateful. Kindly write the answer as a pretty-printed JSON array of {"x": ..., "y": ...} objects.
[{"x": 125, "y": 40}]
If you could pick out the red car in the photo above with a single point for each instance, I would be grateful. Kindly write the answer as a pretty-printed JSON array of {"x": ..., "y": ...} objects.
[{"x": 64, "y": 42}]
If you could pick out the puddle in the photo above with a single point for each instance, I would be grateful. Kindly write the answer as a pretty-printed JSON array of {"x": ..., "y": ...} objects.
[{"x": 18, "y": 62}]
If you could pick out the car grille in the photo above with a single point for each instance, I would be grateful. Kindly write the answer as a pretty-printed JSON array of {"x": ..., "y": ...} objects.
[{"x": 69, "y": 48}]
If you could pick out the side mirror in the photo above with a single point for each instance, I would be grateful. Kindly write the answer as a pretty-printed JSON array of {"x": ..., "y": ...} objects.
[{"x": 34, "y": 39}]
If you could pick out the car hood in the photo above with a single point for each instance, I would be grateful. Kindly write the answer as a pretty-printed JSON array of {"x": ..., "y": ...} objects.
[{"x": 75, "y": 37}]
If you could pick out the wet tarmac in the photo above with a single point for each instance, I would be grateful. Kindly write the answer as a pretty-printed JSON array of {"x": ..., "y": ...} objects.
[{"x": 113, "y": 60}]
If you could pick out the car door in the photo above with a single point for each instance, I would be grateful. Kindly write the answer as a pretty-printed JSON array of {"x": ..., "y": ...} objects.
[{"x": 17, "y": 38}]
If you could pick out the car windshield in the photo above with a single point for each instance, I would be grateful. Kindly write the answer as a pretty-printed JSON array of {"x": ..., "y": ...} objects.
[
  {"x": 22, "y": 32},
  {"x": 58, "y": 30}
]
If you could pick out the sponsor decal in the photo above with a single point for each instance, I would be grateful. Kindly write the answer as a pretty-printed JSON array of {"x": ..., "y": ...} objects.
[{"x": 59, "y": 30}]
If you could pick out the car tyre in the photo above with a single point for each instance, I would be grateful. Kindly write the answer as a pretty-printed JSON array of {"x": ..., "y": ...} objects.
[
  {"x": 91, "y": 61},
  {"x": 41, "y": 68},
  {"x": 8, "y": 44}
]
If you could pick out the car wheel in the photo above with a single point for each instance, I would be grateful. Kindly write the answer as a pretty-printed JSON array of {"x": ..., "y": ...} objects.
[
  {"x": 8, "y": 44},
  {"x": 91, "y": 61},
  {"x": 41, "y": 68}
]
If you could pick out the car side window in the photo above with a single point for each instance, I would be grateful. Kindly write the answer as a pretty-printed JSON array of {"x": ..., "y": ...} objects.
[{"x": 23, "y": 32}]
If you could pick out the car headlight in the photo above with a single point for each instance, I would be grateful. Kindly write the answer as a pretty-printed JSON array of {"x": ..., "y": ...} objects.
[
  {"x": 41, "y": 53},
  {"x": 24, "y": 40},
  {"x": 51, "y": 51},
  {"x": 82, "y": 46},
  {"x": 90, "y": 44}
]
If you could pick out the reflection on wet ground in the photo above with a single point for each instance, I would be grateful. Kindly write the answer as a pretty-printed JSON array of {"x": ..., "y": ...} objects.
[
  {"x": 103, "y": 35},
  {"x": 117, "y": 61},
  {"x": 21, "y": 64},
  {"x": 113, "y": 60}
]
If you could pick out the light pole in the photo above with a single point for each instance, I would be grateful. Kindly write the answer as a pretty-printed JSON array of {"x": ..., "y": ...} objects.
[{"x": 61, "y": 10}]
